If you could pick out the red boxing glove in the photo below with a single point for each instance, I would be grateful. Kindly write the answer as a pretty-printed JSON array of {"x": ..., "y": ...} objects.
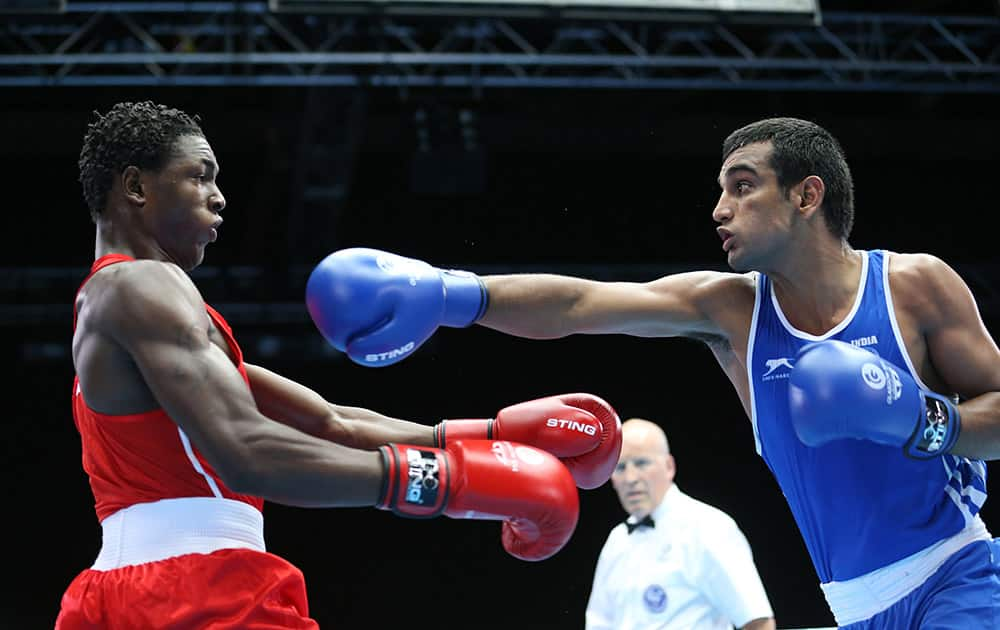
[
  {"x": 526, "y": 488},
  {"x": 580, "y": 429}
]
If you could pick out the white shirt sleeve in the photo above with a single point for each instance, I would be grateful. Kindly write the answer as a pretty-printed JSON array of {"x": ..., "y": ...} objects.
[
  {"x": 600, "y": 608},
  {"x": 731, "y": 581}
]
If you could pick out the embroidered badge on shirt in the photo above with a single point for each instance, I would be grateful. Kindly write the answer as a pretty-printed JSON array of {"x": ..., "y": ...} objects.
[{"x": 655, "y": 598}]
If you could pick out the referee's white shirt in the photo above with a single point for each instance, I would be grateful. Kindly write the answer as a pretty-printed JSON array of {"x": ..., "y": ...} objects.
[{"x": 694, "y": 571}]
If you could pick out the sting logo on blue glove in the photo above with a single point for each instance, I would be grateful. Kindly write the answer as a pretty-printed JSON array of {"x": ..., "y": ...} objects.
[{"x": 395, "y": 353}]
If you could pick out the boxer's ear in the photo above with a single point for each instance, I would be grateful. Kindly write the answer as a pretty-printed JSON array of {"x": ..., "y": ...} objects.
[
  {"x": 131, "y": 182},
  {"x": 809, "y": 195}
]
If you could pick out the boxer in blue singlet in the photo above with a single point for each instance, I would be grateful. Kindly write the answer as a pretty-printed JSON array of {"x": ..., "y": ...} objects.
[{"x": 871, "y": 381}]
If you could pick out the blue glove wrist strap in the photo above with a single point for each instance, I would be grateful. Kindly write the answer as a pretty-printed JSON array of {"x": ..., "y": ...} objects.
[
  {"x": 465, "y": 298},
  {"x": 938, "y": 429}
]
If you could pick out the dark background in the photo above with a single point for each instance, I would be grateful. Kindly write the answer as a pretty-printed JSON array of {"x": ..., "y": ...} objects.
[{"x": 609, "y": 184}]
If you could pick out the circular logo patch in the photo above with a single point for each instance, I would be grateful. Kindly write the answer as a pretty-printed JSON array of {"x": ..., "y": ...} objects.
[
  {"x": 874, "y": 375},
  {"x": 655, "y": 598},
  {"x": 396, "y": 264},
  {"x": 385, "y": 263}
]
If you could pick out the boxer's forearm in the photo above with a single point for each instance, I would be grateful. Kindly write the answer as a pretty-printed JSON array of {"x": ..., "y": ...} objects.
[
  {"x": 536, "y": 306},
  {"x": 368, "y": 430},
  {"x": 280, "y": 464},
  {"x": 980, "y": 434},
  {"x": 299, "y": 407}
]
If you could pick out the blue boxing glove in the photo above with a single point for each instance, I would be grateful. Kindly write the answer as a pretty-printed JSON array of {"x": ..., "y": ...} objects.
[
  {"x": 839, "y": 391},
  {"x": 379, "y": 307}
]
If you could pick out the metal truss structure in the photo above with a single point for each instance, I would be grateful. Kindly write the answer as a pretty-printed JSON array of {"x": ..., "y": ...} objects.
[{"x": 246, "y": 44}]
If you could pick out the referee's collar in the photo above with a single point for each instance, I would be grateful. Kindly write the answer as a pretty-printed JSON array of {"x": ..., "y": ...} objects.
[{"x": 661, "y": 513}]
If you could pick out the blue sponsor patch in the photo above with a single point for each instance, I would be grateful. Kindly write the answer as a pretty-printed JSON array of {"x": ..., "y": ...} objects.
[{"x": 655, "y": 598}]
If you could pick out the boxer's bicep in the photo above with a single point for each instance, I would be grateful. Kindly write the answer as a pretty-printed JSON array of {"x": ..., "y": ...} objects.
[
  {"x": 963, "y": 352},
  {"x": 162, "y": 323}
]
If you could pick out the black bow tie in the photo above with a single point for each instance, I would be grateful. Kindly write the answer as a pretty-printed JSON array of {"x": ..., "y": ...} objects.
[{"x": 645, "y": 522}]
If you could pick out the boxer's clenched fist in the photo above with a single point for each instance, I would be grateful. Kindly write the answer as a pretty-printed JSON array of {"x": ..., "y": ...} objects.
[
  {"x": 582, "y": 430},
  {"x": 528, "y": 489}
]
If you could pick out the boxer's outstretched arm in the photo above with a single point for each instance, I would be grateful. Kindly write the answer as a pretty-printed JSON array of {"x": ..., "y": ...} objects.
[
  {"x": 379, "y": 307},
  {"x": 959, "y": 346},
  {"x": 544, "y": 306},
  {"x": 587, "y": 438},
  {"x": 298, "y": 406}
]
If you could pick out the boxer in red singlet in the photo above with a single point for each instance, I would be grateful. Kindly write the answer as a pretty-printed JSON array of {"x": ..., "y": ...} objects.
[{"x": 183, "y": 441}]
